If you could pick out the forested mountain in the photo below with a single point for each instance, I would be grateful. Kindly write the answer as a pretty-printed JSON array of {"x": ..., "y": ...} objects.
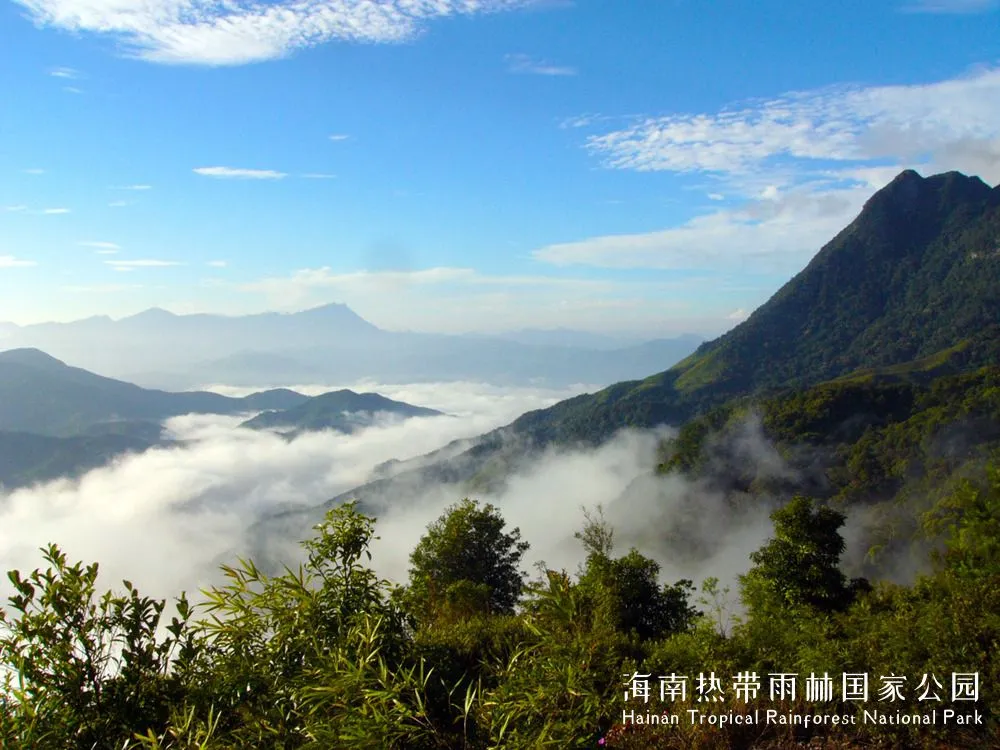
[
  {"x": 342, "y": 410},
  {"x": 26, "y": 458},
  {"x": 916, "y": 275},
  {"x": 61, "y": 421},
  {"x": 912, "y": 285}
]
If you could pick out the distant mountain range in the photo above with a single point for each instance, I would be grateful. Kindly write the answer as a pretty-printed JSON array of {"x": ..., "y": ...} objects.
[
  {"x": 331, "y": 344},
  {"x": 57, "y": 420},
  {"x": 910, "y": 290},
  {"x": 43, "y": 395}
]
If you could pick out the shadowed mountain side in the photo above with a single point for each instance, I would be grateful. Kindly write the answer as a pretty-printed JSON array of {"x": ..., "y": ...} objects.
[
  {"x": 26, "y": 459},
  {"x": 342, "y": 410},
  {"x": 43, "y": 395}
]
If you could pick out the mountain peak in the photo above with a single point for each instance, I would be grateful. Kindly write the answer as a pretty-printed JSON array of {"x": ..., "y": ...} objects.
[
  {"x": 912, "y": 194},
  {"x": 897, "y": 285},
  {"x": 335, "y": 312},
  {"x": 30, "y": 357},
  {"x": 153, "y": 313}
]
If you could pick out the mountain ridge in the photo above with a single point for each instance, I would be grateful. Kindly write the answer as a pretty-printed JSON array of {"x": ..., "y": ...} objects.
[
  {"x": 917, "y": 242},
  {"x": 338, "y": 410},
  {"x": 44, "y": 396}
]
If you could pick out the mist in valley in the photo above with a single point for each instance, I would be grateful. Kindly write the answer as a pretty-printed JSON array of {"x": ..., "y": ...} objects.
[{"x": 168, "y": 518}]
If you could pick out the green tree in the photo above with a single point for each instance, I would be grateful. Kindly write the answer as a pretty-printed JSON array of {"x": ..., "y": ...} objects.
[
  {"x": 799, "y": 566},
  {"x": 626, "y": 589},
  {"x": 91, "y": 670},
  {"x": 466, "y": 563}
]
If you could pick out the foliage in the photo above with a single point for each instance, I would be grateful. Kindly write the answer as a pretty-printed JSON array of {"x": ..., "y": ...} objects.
[
  {"x": 85, "y": 671},
  {"x": 466, "y": 563}
]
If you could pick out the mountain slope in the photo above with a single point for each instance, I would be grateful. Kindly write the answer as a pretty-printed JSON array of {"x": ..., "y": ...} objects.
[
  {"x": 342, "y": 410},
  {"x": 911, "y": 289},
  {"x": 917, "y": 274},
  {"x": 918, "y": 271},
  {"x": 26, "y": 458},
  {"x": 42, "y": 395}
]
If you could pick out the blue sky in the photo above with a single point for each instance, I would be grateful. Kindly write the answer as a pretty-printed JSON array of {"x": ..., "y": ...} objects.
[{"x": 648, "y": 166}]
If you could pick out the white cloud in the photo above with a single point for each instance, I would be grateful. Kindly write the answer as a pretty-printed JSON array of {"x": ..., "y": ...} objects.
[
  {"x": 191, "y": 507},
  {"x": 101, "y": 245},
  {"x": 716, "y": 197},
  {"x": 9, "y": 261},
  {"x": 217, "y": 264},
  {"x": 15, "y": 209},
  {"x": 775, "y": 233},
  {"x": 55, "y": 211},
  {"x": 803, "y": 163},
  {"x": 239, "y": 174},
  {"x": 144, "y": 263},
  {"x": 954, "y": 122},
  {"x": 72, "y": 90},
  {"x": 952, "y": 6},
  {"x": 118, "y": 204},
  {"x": 195, "y": 32},
  {"x": 339, "y": 137},
  {"x": 101, "y": 288},
  {"x": 67, "y": 73},
  {"x": 324, "y": 278},
  {"x": 133, "y": 187},
  {"x": 738, "y": 315},
  {"x": 521, "y": 63},
  {"x": 34, "y": 171},
  {"x": 107, "y": 252}
]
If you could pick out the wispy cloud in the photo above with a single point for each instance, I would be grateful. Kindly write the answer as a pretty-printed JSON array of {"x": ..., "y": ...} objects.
[
  {"x": 55, "y": 211},
  {"x": 9, "y": 261},
  {"x": 955, "y": 121},
  {"x": 217, "y": 264},
  {"x": 768, "y": 234},
  {"x": 952, "y": 6},
  {"x": 339, "y": 137},
  {"x": 15, "y": 209},
  {"x": 132, "y": 187},
  {"x": 144, "y": 263},
  {"x": 521, "y": 63},
  {"x": 100, "y": 245},
  {"x": 68, "y": 73},
  {"x": 101, "y": 288},
  {"x": 318, "y": 176},
  {"x": 232, "y": 173},
  {"x": 190, "y": 31},
  {"x": 118, "y": 204},
  {"x": 72, "y": 90},
  {"x": 797, "y": 169},
  {"x": 34, "y": 171}
]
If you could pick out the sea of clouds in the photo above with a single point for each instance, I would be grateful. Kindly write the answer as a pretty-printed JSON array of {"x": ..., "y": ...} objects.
[{"x": 166, "y": 519}]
